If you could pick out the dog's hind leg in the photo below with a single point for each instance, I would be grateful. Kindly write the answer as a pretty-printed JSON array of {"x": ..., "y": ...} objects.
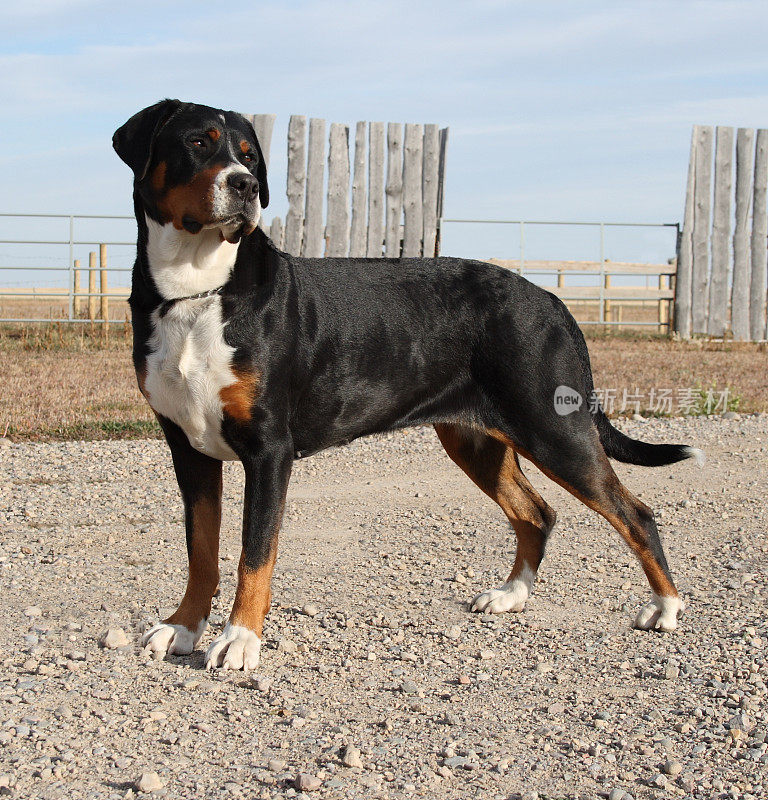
[
  {"x": 494, "y": 467},
  {"x": 580, "y": 465},
  {"x": 199, "y": 479}
]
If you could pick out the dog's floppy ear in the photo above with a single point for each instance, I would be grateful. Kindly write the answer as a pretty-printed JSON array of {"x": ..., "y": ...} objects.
[
  {"x": 261, "y": 175},
  {"x": 134, "y": 141}
]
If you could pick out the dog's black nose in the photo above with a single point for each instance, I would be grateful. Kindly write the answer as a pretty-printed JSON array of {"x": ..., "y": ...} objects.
[{"x": 244, "y": 184}]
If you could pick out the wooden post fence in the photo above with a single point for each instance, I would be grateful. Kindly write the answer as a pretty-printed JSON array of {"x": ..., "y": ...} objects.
[
  {"x": 720, "y": 288},
  {"x": 395, "y": 212}
]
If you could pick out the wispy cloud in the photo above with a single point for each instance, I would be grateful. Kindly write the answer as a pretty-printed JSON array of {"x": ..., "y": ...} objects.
[{"x": 556, "y": 108}]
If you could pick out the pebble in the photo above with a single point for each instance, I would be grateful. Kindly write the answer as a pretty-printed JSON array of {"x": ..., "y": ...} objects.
[
  {"x": 79, "y": 717},
  {"x": 456, "y": 762},
  {"x": 148, "y": 782},
  {"x": 261, "y": 683},
  {"x": 113, "y": 638},
  {"x": 351, "y": 757},
  {"x": 304, "y": 782},
  {"x": 673, "y": 768}
]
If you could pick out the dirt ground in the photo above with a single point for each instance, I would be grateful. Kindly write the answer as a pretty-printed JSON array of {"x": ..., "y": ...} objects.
[
  {"x": 376, "y": 681},
  {"x": 60, "y": 384}
]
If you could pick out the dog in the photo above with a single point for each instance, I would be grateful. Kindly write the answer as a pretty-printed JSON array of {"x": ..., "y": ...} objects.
[{"x": 248, "y": 353}]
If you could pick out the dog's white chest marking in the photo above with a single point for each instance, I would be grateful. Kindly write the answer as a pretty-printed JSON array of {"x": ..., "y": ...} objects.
[
  {"x": 182, "y": 263},
  {"x": 188, "y": 366},
  {"x": 189, "y": 361}
]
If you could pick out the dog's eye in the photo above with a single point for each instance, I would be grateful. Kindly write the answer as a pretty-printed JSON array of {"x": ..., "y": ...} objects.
[
  {"x": 198, "y": 141},
  {"x": 248, "y": 157}
]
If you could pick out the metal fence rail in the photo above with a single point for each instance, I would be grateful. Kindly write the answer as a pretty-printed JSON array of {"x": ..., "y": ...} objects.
[
  {"x": 68, "y": 246},
  {"x": 74, "y": 243}
]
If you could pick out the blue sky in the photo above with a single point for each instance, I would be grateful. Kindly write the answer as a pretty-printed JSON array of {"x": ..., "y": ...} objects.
[{"x": 557, "y": 110}]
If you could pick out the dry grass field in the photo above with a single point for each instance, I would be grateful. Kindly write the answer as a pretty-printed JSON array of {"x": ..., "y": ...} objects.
[{"x": 61, "y": 383}]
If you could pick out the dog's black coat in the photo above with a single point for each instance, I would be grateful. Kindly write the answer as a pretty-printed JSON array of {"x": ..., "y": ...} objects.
[{"x": 343, "y": 348}]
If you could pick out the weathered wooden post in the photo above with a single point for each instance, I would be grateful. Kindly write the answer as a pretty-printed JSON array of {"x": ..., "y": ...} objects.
[
  {"x": 607, "y": 303},
  {"x": 721, "y": 228},
  {"x": 103, "y": 284},
  {"x": 312, "y": 246},
  {"x": 441, "y": 184},
  {"x": 394, "y": 189},
  {"x": 276, "y": 232},
  {"x": 375, "y": 190},
  {"x": 757, "y": 323},
  {"x": 701, "y": 216},
  {"x": 337, "y": 240},
  {"x": 92, "y": 286},
  {"x": 263, "y": 125},
  {"x": 296, "y": 181},
  {"x": 429, "y": 183},
  {"x": 740, "y": 290},
  {"x": 413, "y": 156},
  {"x": 76, "y": 289},
  {"x": 685, "y": 253},
  {"x": 663, "y": 305},
  {"x": 358, "y": 227}
]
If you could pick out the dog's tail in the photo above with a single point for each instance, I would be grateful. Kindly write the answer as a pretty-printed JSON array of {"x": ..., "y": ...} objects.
[
  {"x": 621, "y": 447},
  {"x": 616, "y": 444}
]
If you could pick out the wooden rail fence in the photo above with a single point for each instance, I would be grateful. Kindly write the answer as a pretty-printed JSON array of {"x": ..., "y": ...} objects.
[
  {"x": 723, "y": 255},
  {"x": 615, "y": 301},
  {"x": 93, "y": 297}
]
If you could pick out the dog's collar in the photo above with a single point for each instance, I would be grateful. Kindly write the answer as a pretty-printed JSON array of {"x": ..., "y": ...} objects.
[{"x": 169, "y": 304}]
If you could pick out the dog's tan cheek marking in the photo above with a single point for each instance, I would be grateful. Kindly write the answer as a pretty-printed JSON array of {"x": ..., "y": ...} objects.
[
  {"x": 238, "y": 398},
  {"x": 193, "y": 199},
  {"x": 203, "y": 577},
  {"x": 158, "y": 177}
]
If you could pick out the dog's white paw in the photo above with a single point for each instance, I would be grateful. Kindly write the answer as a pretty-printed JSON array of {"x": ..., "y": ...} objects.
[
  {"x": 660, "y": 614},
  {"x": 235, "y": 647},
  {"x": 509, "y": 597},
  {"x": 167, "y": 639}
]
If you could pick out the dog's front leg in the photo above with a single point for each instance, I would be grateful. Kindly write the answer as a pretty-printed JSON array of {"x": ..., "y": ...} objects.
[
  {"x": 266, "y": 482},
  {"x": 200, "y": 483}
]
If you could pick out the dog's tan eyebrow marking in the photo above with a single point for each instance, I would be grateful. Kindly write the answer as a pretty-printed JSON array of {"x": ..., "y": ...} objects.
[
  {"x": 214, "y": 133},
  {"x": 244, "y": 146}
]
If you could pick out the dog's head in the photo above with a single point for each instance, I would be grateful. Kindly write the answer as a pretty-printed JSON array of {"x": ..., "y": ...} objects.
[{"x": 196, "y": 167}]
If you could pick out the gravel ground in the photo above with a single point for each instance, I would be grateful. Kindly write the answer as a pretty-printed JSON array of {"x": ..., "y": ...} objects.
[{"x": 375, "y": 679}]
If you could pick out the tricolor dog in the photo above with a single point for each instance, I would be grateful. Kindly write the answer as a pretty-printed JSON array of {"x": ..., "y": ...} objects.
[{"x": 245, "y": 352}]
